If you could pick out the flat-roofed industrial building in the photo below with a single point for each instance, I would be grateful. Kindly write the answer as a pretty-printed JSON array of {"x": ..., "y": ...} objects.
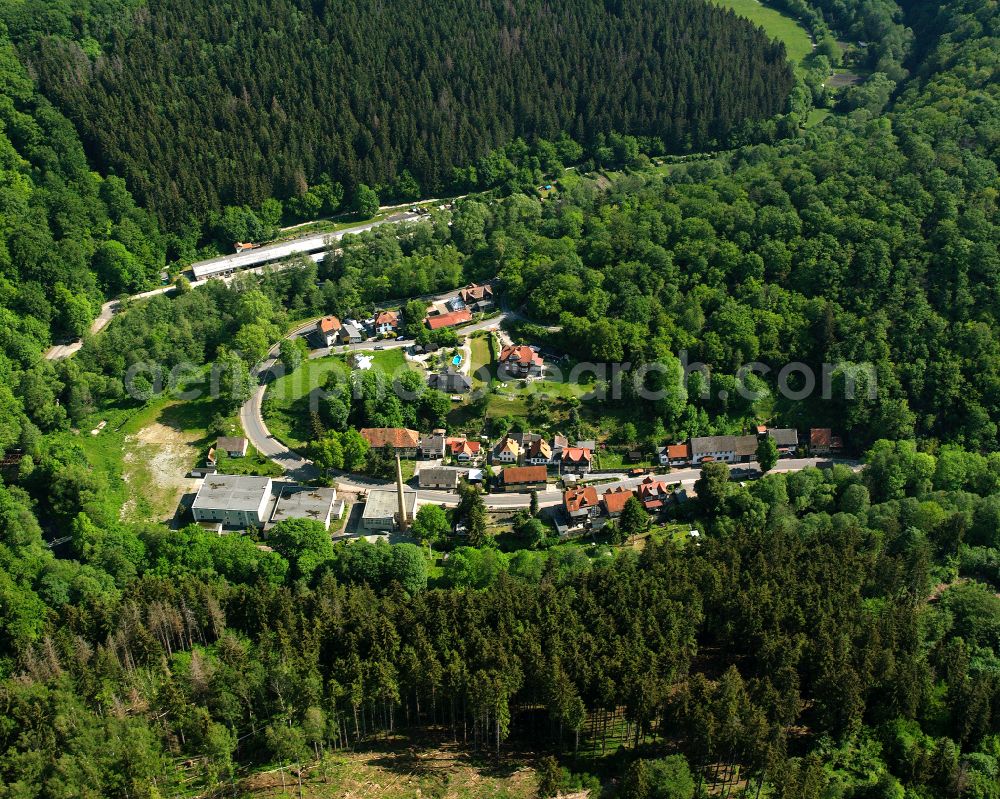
[{"x": 233, "y": 500}]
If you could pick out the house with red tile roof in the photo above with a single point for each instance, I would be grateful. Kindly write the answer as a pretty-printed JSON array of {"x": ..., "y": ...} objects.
[
  {"x": 450, "y": 319},
  {"x": 404, "y": 442},
  {"x": 477, "y": 297},
  {"x": 538, "y": 452},
  {"x": 521, "y": 362},
  {"x": 614, "y": 500},
  {"x": 463, "y": 450},
  {"x": 581, "y": 503},
  {"x": 328, "y": 330},
  {"x": 577, "y": 460},
  {"x": 675, "y": 455},
  {"x": 524, "y": 478},
  {"x": 653, "y": 494},
  {"x": 386, "y": 323},
  {"x": 822, "y": 441}
]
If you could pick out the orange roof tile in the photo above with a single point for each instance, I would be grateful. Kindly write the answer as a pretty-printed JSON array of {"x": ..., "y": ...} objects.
[
  {"x": 525, "y": 474},
  {"x": 577, "y": 455},
  {"x": 328, "y": 324},
  {"x": 396, "y": 437},
  {"x": 575, "y": 499},
  {"x": 614, "y": 500},
  {"x": 525, "y": 356},
  {"x": 448, "y": 319}
]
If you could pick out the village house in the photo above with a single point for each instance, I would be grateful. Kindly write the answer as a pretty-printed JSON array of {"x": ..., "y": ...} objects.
[
  {"x": 713, "y": 448},
  {"x": 450, "y": 382},
  {"x": 328, "y": 330},
  {"x": 463, "y": 450},
  {"x": 520, "y": 362},
  {"x": 822, "y": 441},
  {"x": 786, "y": 439},
  {"x": 350, "y": 333},
  {"x": 233, "y": 446},
  {"x": 614, "y": 500},
  {"x": 386, "y": 323},
  {"x": 381, "y": 513},
  {"x": 581, "y": 504},
  {"x": 304, "y": 502},
  {"x": 478, "y": 298},
  {"x": 431, "y": 446},
  {"x": 507, "y": 451},
  {"x": 653, "y": 494},
  {"x": 675, "y": 455},
  {"x": 440, "y": 477},
  {"x": 746, "y": 448},
  {"x": 403, "y": 442},
  {"x": 449, "y": 319},
  {"x": 577, "y": 460},
  {"x": 523, "y": 478},
  {"x": 538, "y": 453},
  {"x": 230, "y": 500}
]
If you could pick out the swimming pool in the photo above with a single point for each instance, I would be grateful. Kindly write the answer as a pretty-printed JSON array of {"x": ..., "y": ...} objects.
[{"x": 456, "y": 361}]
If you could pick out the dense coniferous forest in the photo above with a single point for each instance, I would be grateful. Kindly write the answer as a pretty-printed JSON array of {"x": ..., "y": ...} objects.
[
  {"x": 796, "y": 642},
  {"x": 200, "y": 105}
]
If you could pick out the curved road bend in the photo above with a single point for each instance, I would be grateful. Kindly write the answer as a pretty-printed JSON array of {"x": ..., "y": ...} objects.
[
  {"x": 295, "y": 465},
  {"x": 302, "y": 469},
  {"x": 251, "y": 261}
]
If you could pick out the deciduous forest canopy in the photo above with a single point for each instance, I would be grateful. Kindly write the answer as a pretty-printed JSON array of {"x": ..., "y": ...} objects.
[
  {"x": 203, "y": 104},
  {"x": 834, "y": 635}
]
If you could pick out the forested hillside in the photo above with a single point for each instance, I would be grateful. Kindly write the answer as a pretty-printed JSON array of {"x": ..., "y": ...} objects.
[
  {"x": 795, "y": 642},
  {"x": 200, "y": 105},
  {"x": 834, "y": 634},
  {"x": 68, "y": 237}
]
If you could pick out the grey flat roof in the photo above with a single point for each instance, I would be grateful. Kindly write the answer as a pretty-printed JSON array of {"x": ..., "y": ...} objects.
[
  {"x": 303, "y": 502},
  {"x": 382, "y": 503},
  {"x": 232, "y": 492}
]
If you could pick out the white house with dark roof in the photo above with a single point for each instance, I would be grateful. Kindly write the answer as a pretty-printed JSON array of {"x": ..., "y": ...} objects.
[{"x": 233, "y": 500}]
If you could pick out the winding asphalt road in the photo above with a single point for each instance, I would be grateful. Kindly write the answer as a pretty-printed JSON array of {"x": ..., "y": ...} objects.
[
  {"x": 250, "y": 262},
  {"x": 300, "y": 468}
]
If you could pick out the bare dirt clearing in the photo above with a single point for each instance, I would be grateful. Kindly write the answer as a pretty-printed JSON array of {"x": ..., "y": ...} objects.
[
  {"x": 443, "y": 773},
  {"x": 156, "y": 461}
]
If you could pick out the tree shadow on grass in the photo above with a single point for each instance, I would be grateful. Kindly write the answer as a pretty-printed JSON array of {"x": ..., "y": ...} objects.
[
  {"x": 194, "y": 417},
  {"x": 438, "y": 761}
]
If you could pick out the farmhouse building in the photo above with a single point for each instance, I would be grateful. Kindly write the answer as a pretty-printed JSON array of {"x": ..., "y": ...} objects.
[
  {"x": 523, "y": 478},
  {"x": 404, "y": 442}
]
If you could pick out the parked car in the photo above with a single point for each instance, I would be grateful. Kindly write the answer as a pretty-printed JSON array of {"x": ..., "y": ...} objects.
[
  {"x": 379, "y": 347},
  {"x": 400, "y": 338}
]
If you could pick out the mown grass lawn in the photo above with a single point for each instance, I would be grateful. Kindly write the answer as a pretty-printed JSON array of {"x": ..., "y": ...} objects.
[
  {"x": 816, "y": 116},
  {"x": 287, "y": 406},
  {"x": 480, "y": 347},
  {"x": 776, "y": 25}
]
